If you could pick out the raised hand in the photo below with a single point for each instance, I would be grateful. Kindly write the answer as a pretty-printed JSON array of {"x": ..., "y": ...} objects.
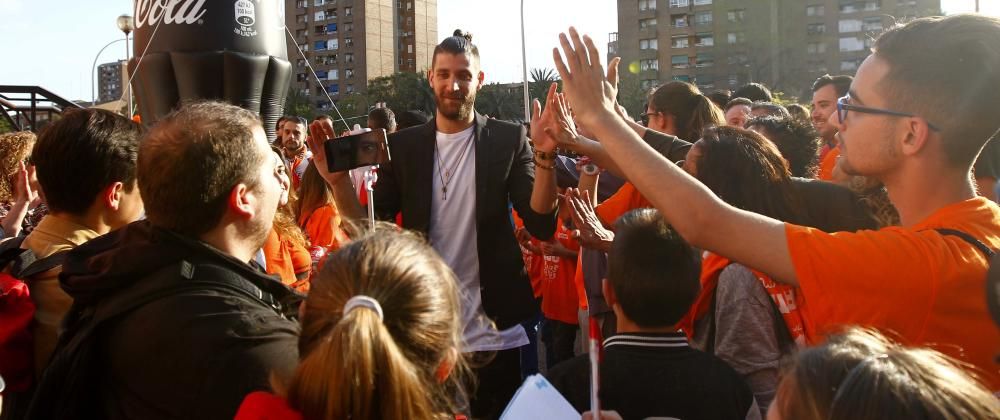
[
  {"x": 321, "y": 131},
  {"x": 590, "y": 93},
  {"x": 562, "y": 128},
  {"x": 589, "y": 230},
  {"x": 542, "y": 119},
  {"x": 23, "y": 193}
]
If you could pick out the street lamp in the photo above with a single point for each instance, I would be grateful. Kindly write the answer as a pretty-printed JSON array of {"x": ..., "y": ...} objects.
[
  {"x": 524, "y": 69},
  {"x": 126, "y": 24},
  {"x": 93, "y": 69}
]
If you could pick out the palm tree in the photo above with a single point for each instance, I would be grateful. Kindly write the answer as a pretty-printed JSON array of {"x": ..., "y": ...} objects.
[{"x": 540, "y": 81}]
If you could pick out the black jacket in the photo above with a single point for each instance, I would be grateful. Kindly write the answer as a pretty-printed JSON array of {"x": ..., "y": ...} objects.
[
  {"x": 657, "y": 375},
  {"x": 505, "y": 173},
  {"x": 164, "y": 327}
]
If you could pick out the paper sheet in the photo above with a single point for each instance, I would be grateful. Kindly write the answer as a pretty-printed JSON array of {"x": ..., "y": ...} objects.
[{"x": 538, "y": 399}]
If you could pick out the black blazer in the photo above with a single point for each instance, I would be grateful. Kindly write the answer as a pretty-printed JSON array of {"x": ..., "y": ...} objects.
[{"x": 505, "y": 173}]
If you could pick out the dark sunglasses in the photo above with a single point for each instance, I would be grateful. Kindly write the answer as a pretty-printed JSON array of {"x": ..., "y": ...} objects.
[{"x": 843, "y": 107}]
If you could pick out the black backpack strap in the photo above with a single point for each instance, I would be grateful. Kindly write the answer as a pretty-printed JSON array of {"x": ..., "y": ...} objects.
[
  {"x": 38, "y": 266},
  {"x": 985, "y": 249},
  {"x": 10, "y": 250}
]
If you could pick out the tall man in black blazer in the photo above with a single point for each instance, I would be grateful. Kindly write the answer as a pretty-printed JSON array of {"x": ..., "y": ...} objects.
[{"x": 454, "y": 179}]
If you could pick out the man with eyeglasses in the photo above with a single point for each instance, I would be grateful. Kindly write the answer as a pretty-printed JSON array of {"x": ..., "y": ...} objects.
[{"x": 919, "y": 112}]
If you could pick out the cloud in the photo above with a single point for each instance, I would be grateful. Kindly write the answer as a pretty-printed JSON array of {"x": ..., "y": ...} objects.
[{"x": 8, "y": 7}]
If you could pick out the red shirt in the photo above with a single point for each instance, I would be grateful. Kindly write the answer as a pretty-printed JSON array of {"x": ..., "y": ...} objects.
[{"x": 560, "y": 296}]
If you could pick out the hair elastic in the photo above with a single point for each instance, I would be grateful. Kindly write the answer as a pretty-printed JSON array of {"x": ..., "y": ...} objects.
[{"x": 362, "y": 301}]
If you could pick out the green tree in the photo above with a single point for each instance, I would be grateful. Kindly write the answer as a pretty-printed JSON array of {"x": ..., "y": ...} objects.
[
  {"x": 541, "y": 79},
  {"x": 499, "y": 102},
  {"x": 631, "y": 94},
  {"x": 403, "y": 92},
  {"x": 5, "y": 126},
  {"x": 298, "y": 104}
]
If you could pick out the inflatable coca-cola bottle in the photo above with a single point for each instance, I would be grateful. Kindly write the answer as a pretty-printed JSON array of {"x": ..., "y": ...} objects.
[{"x": 229, "y": 50}]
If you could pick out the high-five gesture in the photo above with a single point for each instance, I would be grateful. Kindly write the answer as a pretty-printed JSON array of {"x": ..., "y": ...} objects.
[
  {"x": 542, "y": 119},
  {"x": 590, "y": 92}
]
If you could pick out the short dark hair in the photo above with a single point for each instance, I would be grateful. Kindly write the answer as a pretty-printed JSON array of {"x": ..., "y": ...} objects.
[
  {"x": 459, "y": 43},
  {"x": 755, "y": 92},
  {"x": 737, "y": 101},
  {"x": 298, "y": 120},
  {"x": 190, "y": 162},
  {"x": 652, "y": 270},
  {"x": 383, "y": 118},
  {"x": 83, "y": 153},
  {"x": 411, "y": 118},
  {"x": 841, "y": 83},
  {"x": 946, "y": 69},
  {"x": 720, "y": 97},
  {"x": 796, "y": 139},
  {"x": 692, "y": 111},
  {"x": 771, "y": 109},
  {"x": 799, "y": 111}
]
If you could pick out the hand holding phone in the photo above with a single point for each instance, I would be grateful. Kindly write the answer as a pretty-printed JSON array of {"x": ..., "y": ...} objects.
[{"x": 354, "y": 151}]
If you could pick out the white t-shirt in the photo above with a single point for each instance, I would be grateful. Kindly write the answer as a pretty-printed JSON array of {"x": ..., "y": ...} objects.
[{"x": 453, "y": 234}]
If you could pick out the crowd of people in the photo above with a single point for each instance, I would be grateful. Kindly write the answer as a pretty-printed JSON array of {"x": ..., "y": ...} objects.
[{"x": 741, "y": 258}]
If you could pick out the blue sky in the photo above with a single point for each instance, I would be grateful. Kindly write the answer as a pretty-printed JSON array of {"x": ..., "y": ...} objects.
[{"x": 53, "y": 43}]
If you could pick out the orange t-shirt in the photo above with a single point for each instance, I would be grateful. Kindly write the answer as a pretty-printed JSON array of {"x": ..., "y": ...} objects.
[
  {"x": 626, "y": 199},
  {"x": 319, "y": 227},
  {"x": 560, "y": 297},
  {"x": 288, "y": 260},
  {"x": 926, "y": 287},
  {"x": 532, "y": 261},
  {"x": 826, "y": 165}
]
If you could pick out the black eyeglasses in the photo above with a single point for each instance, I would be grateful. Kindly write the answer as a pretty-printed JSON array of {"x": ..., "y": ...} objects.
[{"x": 843, "y": 107}]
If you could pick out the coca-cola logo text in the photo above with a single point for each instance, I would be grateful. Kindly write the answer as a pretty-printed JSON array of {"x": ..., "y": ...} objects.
[{"x": 169, "y": 11}]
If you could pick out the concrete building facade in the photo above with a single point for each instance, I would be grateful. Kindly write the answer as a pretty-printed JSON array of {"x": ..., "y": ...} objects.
[
  {"x": 341, "y": 44},
  {"x": 723, "y": 44},
  {"x": 111, "y": 81}
]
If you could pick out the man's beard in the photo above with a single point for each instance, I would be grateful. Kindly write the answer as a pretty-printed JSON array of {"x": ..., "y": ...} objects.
[{"x": 461, "y": 112}]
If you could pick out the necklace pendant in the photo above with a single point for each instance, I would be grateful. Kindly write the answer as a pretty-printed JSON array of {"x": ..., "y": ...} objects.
[{"x": 444, "y": 193}]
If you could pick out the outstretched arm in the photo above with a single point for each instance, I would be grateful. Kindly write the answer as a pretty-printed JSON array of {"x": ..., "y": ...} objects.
[
  {"x": 698, "y": 215},
  {"x": 320, "y": 132}
]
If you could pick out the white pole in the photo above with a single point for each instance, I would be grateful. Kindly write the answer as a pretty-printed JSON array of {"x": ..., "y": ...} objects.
[
  {"x": 93, "y": 70},
  {"x": 524, "y": 68}
]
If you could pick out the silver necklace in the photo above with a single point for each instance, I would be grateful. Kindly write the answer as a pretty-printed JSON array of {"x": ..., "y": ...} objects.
[{"x": 448, "y": 174}]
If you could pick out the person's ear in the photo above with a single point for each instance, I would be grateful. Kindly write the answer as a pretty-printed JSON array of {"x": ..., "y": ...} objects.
[
  {"x": 481, "y": 77},
  {"x": 609, "y": 293},
  {"x": 240, "y": 202},
  {"x": 112, "y": 195},
  {"x": 430, "y": 78},
  {"x": 447, "y": 365},
  {"x": 917, "y": 134}
]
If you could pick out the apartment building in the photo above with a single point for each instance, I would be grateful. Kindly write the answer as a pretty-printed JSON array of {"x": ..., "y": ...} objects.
[
  {"x": 723, "y": 44},
  {"x": 347, "y": 42},
  {"x": 111, "y": 80}
]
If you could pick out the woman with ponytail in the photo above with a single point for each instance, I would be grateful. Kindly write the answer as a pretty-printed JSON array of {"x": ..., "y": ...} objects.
[
  {"x": 679, "y": 109},
  {"x": 380, "y": 337}
]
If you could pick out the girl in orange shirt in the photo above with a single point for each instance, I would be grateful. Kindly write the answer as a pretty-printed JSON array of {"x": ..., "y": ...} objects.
[
  {"x": 317, "y": 215},
  {"x": 285, "y": 248}
]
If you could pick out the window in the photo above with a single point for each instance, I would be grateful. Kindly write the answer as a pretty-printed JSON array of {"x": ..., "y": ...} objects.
[
  {"x": 333, "y": 44},
  {"x": 347, "y": 12},
  {"x": 679, "y": 61},
  {"x": 301, "y": 3},
  {"x": 734, "y": 80},
  {"x": 646, "y": 65},
  {"x": 349, "y": 42},
  {"x": 300, "y": 63},
  {"x": 301, "y": 18},
  {"x": 816, "y": 48},
  {"x": 333, "y": 89},
  {"x": 304, "y": 47},
  {"x": 349, "y": 73},
  {"x": 319, "y": 2},
  {"x": 682, "y": 78},
  {"x": 647, "y": 44},
  {"x": 906, "y": 2},
  {"x": 849, "y": 25},
  {"x": 409, "y": 48},
  {"x": 301, "y": 77},
  {"x": 850, "y": 65},
  {"x": 816, "y": 28},
  {"x": 349, "y": 58},
  {"x": 331, "y": 28},
  {"x": 738, "y": 59},
  {"x": 649, "y": 83},
  {"x": 320, "y": 45},
  {"x": 349, "y": 27},
  {"x": 848, "y": 7},
  {"x": 319, "y": 29},
  {"x": 679, "y": 3},
  {"x": 409, "y": 5},
  {"x": 679, "y": 21},
  {"x": 350, "y": 88},
  {"x": 321, "y": 74},
  {"x": 737, "y": 15},
  {"x": 647, "y": 5},
  {"x": 851, "y": 44},
  {"x": 300, "y": 33},
  {"x": 815, "y": 10},
  {"x": 872, "y": 5},
  {"x": 704, "y": 60},
  {"x": 703, "y": 18},
  {"x": 872, "y": 24},
  {"x": 331, "y": 13},
  {"x": 705, "y": 81},
  {"x": 647, "y": 23},
  {"x": 332, "y": 75},
  {"x": 736, "y": 37},
  {"x": 680, "y": 41},
  {"x": 320, "y": 15},
  {"x": 702, "y": 2},
  {"x": 705, "y": 40}
]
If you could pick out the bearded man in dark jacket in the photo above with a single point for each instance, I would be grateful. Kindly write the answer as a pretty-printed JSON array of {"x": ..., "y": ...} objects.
[{"x": 171, "y": 318}]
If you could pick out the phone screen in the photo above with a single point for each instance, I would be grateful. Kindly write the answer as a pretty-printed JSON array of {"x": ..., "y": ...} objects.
[{"x": 365, "y": 149}]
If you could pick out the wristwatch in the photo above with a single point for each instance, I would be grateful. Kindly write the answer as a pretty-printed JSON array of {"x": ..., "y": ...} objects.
[{"x": 591, "y": 169}]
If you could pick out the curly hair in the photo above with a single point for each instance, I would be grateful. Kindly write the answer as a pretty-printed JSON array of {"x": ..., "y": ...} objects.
[
  {"x": 14, "y": 148},
  {"x": 796, "y": 139}
]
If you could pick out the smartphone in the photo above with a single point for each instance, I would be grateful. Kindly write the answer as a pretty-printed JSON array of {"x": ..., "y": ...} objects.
[{"x": 354, "y": 151}]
